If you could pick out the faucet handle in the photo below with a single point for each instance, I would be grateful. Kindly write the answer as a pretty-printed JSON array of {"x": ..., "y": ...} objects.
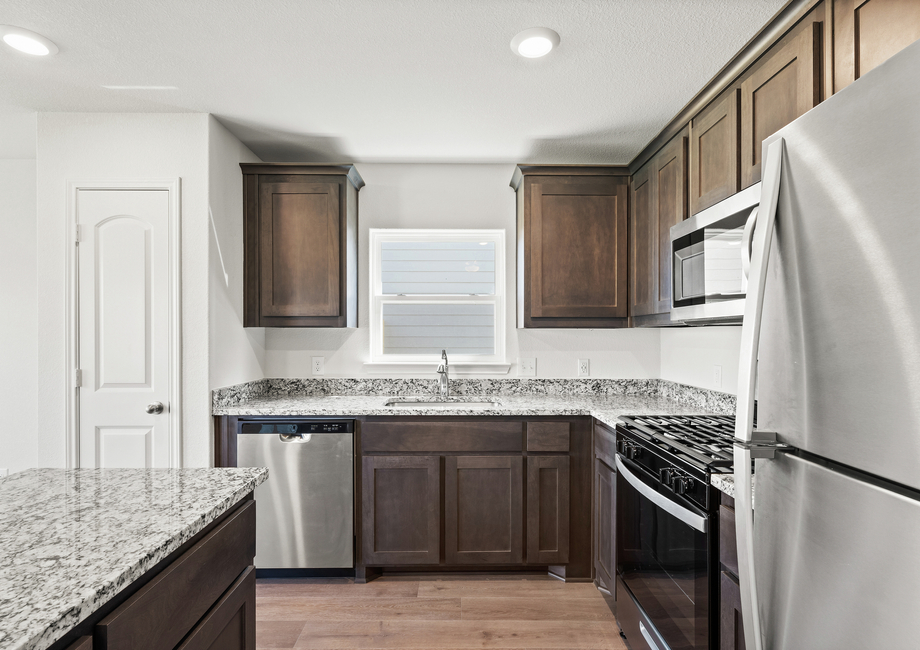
[{"x": 444, "y": 356}]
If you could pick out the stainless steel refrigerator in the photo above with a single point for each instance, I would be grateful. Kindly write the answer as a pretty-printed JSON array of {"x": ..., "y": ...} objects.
[{"x": 831, "y": 338}]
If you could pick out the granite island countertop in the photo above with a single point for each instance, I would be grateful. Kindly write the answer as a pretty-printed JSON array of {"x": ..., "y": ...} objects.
[{"x": 70, "y": 540}]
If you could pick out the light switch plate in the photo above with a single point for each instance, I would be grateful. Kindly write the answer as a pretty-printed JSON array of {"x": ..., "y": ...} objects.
[
  {"x": 319, "y": 365},
  {"x": 527, "y": 367},
  {"x": 584, "y": 367},
  {"x": 717, "y": 377}
]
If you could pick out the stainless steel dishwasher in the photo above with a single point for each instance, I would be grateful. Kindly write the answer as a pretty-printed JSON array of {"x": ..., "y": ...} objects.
[{"x": 305, "y": 510}]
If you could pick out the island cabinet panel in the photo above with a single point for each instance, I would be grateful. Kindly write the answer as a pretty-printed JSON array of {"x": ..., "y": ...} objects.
[
  {"x": 230, "y": 624},
  {"x": 714, "y": 152},
  {"x": 483, "y": 510},
  {"x": 572, "y": 246},
  {"x": 300, "y": 245},
  {"x": 784, "y": 84},
  {"x": 868, "y": 32},
  {"x": 401, "y": 520},
  {"x": 168, "y": 607},
  {"x": 548, "y": 502},
  {"x": 659, "y": 201}
]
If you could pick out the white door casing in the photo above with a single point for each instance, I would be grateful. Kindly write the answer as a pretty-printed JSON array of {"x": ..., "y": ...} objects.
[{"x": 125, "y": 311}]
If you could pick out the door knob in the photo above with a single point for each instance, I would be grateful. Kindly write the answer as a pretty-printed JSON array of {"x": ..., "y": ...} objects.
[{"x": 155, "y": 409}]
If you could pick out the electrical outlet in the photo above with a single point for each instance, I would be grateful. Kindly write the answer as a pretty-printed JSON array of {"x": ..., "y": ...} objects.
[
  {"x": 318, "y": 363},
  {"x": 584, "y": 367},
  {"x": 527, "y": 367},
  {"x": 717, "y": 376}
]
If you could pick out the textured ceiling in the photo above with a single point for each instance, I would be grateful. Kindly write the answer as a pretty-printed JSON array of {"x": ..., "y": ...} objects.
[{"x": 387, "y": 80}]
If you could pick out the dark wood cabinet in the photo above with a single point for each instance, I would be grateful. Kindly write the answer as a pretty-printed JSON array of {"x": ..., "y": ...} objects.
[
  {"x": 784, "y": 84},
  {"x": 483, "y": 510},
  {"x": 548, "y": 487},
  {"x": 605, "y": 485},
  {"x": 572, "y": 246},
  {"x": 714, "y": 152},
  {"x": 230, "y": 624},
  {"x": 731, "y": 633},
  {"x": 300, "y": 245},
  {"x": 868, "y": 32},
  {"x": 659, "y": 201},
  {"x": 84, "y": 643},
  {"x": 401, "y": 510}
]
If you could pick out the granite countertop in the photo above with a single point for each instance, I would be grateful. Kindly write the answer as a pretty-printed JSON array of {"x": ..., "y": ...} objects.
[{"x": 70, "y": 540}]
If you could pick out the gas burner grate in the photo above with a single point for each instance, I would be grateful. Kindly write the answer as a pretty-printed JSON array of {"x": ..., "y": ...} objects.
[{"x": 707, "y": 439}]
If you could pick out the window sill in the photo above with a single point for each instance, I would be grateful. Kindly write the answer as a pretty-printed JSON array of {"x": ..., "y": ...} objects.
[{"x": 424, "y": 367}]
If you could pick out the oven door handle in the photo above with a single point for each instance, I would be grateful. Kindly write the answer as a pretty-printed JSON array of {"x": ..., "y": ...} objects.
[{"x": 695, "y": 521}]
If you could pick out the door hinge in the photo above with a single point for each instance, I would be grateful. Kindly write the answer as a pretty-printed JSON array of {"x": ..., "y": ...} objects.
[
  {"x": 76, "y": 234},
  {"x": 77, "y": 378}
]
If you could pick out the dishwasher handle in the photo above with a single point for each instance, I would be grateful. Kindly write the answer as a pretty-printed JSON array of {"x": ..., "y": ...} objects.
[{"x": 295, "y": 437}]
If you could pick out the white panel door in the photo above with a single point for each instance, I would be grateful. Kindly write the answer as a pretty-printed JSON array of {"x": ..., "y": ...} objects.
[{"x": 123, "y": 306}]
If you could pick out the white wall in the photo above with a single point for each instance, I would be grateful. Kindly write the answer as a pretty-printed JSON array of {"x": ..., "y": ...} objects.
[
  {"x": 100, "y": 146},
  {"x": 455, "y": 196},
  {"x": 689, "y": 354},
  {"x": 18, "y": 340},
  {"x": 236, "y": 354}
]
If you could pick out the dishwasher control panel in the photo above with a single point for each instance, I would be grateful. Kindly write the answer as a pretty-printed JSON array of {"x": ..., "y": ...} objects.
[{"x": 313, "y": 426}]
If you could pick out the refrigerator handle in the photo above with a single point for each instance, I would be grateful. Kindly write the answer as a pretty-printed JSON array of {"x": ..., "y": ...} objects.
[
  {"x": 747, "y": 240},
  {"x": 747, "y": 369}
]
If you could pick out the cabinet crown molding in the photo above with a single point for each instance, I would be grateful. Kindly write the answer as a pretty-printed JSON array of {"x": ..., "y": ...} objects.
[{"x": 318, "y": 169}]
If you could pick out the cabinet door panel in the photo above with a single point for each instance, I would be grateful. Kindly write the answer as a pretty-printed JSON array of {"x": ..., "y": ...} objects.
[
  {"x": 231, "y": 623},
  {"x": 643, "y": 241},
  {"x": 548, "y": 489},
  {"x": 714, "y": 153},
  {"x": 483, "y": 510},
  {"x": 578, "y": 250},
  {"x": 868, "y": 32},
  {"x": 401, "y": 520},
  {"x": 605, "y": 522},
  {"x": 300, "y": 249},
  {"x": 783, "y": 86},
  {"x": 671, "y": 197},
  {"x": 731, "y": 634}
]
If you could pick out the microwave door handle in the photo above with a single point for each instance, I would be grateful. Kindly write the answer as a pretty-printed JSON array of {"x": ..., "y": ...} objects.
[
  {"x": 747, "y": 241},
  {"x": 744, "y": 450}
]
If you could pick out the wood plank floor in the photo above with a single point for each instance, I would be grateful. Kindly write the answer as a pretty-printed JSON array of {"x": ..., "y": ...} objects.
[{"x": 507, "y": 612}]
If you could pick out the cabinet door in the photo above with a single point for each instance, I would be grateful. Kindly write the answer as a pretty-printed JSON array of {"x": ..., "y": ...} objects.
[
  {"x": 400, "y": 515},
  {"x": 605, "y": 485},
  {"x": 548, "y": 488},
  {"x": 231, "y": 623},
  {"x": 731, "y": 634},
  {"x": 578, "y": 249},
  {"x": 299, "y": 249},
  {"x": 83, "y": 643},
  {"x": 868, "y": 32},
  {"x": 659, "y": 201},
  {"x": 714, "y": 153},
  {"x": 783, "y": 85},
  {"x": 483, "y": 510}
]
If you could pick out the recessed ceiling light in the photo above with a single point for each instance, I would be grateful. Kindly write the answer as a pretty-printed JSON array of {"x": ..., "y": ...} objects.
[
  {"x": 534, "y": 42},
  {"x": 27, "y": 41}
]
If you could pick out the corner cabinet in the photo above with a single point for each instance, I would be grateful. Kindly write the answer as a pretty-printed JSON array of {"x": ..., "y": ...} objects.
[
  {"x": 572, "y": 246},
  {"x": 300, "y": 245},
  {"x": 658, "y": 201}
]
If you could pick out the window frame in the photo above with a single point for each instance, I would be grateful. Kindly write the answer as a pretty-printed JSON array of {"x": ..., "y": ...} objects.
[{"x": 377, "y": 236}]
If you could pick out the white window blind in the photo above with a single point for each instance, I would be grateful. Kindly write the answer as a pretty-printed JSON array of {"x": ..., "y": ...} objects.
[{"x": 436, "y": 290}]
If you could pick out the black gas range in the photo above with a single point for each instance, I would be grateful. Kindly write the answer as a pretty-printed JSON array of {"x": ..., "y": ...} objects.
[{"x": 667, "y": 528}]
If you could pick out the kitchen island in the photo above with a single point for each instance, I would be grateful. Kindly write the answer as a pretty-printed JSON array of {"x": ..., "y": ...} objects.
[{"x": 75, "y": 544}]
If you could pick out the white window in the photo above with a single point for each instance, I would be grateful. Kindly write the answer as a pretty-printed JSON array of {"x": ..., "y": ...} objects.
[{"x": 434, "y": 290}]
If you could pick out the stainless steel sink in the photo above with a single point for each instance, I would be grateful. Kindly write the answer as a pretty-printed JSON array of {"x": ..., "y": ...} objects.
[{"x": 417, "y": 402}]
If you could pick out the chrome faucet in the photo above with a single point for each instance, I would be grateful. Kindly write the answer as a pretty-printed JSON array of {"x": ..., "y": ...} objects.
[{"x": 443, "y": 377}]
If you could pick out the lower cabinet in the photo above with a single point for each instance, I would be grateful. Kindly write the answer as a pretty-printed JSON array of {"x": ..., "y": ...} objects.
[
  {"x": 731, "y": 633},
  {"x": 483, "y": 510},
  {"x": 605, "y": 486},
  {"x": 401, "y": 510},
  {"x": 474, "y": 497}
]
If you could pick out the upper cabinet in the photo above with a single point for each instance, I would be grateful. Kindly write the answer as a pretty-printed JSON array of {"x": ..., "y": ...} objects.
[
  {"x": 658, "y": 201},
  {"x": 867, "y": 32},
  {"x": 714, "y": 152},
  {"x": 784, "y": 84},
  {"x": 300, "y": 245},
  {"x": 572, "y": 246}
]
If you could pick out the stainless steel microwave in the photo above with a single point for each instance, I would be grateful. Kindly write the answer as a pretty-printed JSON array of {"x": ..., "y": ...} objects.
[{"x": 710, "y": 256}]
